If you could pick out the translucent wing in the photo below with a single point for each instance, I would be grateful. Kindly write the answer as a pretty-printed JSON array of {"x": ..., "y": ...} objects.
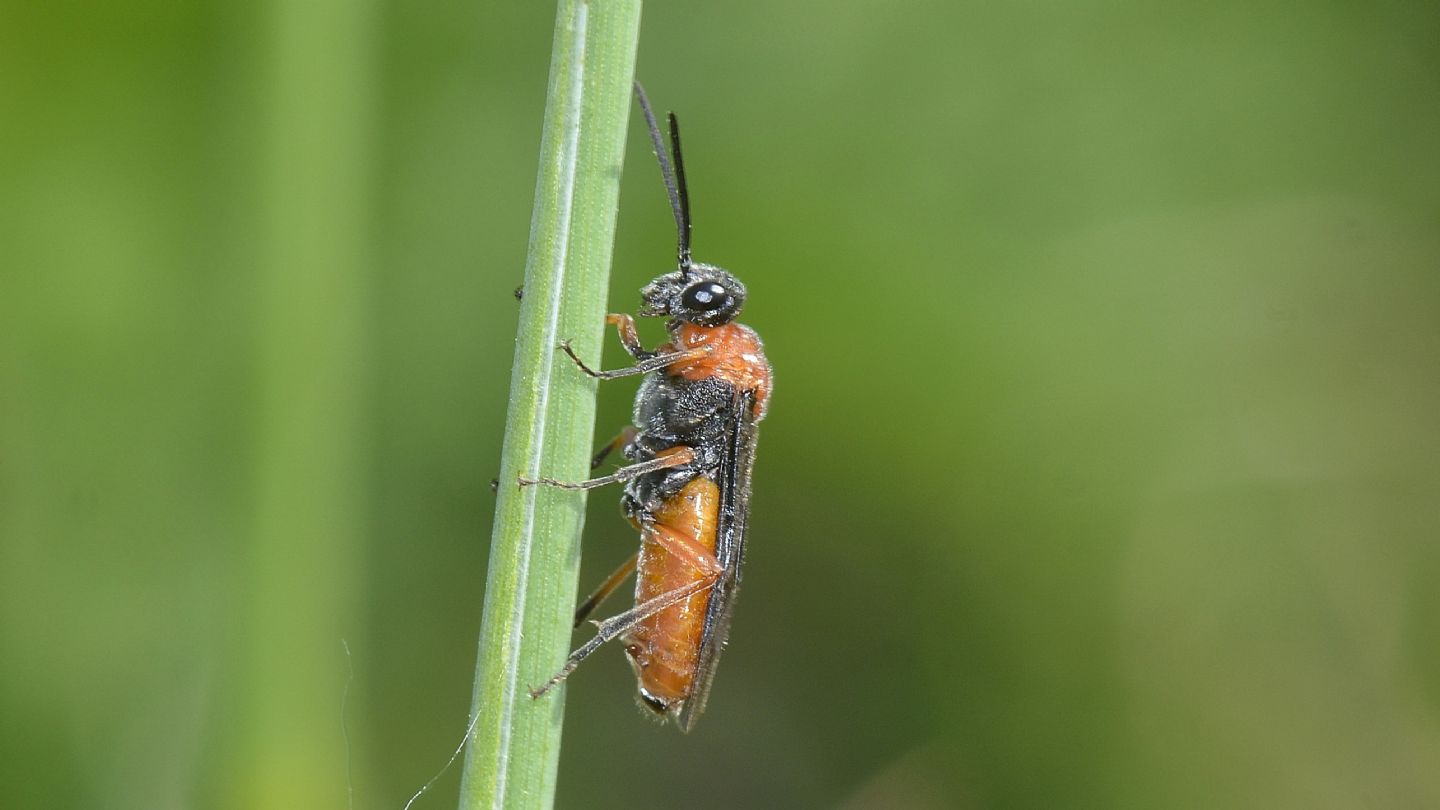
[{"x": 734, "y": 482}]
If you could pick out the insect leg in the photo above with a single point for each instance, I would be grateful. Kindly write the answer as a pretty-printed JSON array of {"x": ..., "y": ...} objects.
[
  {"x": 679, "y": 458},
  {"x": 613, "y": 627},
  {"x": 685, "y": 548},
  {"x": 654, "y": 362},
  {"x": 629, "y": 338},
  {"x": 626, "y": 436},
  {"x": 606, "y": 588}
]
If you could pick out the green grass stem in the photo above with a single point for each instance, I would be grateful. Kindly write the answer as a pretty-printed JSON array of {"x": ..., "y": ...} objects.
[{"x": 513, "y": 748}]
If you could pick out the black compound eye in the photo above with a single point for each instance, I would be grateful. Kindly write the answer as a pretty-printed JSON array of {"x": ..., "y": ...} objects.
[{"x": 704, "y": 297}]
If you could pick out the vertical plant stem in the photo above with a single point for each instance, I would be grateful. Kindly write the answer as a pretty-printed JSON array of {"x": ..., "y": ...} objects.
[{"x": 512, "y": 752}]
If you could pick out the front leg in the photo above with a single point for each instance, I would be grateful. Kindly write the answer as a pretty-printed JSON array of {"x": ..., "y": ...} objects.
[
  {"x": 646, "y": 361},
  {"x": 654, "y": 362},
  {"x": 629, "y": 338}
]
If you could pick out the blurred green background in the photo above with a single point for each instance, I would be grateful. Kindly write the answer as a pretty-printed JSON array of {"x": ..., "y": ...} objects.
[{"x": 1103, "y": 469}]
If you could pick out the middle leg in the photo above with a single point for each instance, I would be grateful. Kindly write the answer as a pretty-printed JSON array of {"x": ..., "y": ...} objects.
[{"x": 674, "y": 457}]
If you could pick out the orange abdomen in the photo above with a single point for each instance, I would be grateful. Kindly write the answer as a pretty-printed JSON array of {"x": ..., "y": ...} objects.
[{"x": 664, "y": 648}]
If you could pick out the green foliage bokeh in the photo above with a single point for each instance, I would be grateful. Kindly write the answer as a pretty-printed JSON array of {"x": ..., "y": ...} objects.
[{"x": 1103, "y": 467}]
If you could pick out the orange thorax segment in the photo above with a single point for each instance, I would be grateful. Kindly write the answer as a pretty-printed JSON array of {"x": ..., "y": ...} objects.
[
  {"x": 733, "y": 353},
  {"x": 665, "y": 647}
]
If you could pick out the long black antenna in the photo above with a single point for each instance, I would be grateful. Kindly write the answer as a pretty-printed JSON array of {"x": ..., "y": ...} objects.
[
  {"x": 684, "y": 191},
  {"x": 674, "y": 178}
]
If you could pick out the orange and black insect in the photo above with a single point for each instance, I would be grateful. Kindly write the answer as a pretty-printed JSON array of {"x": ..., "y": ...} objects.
[{"x": 687, "y": 488}]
